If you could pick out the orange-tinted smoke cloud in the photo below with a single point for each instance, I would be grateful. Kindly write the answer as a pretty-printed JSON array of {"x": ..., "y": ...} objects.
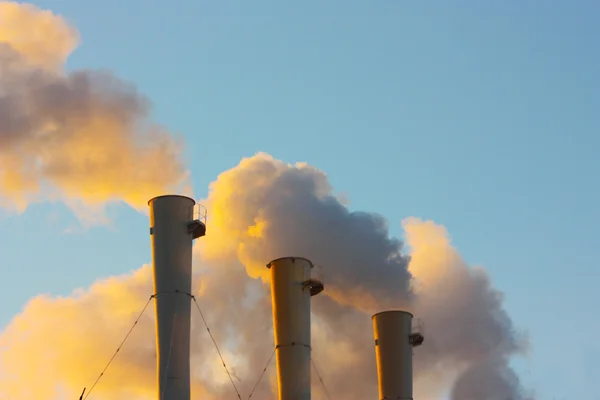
[
  {"x": 466, "y": 326},
  {"x": 59, "y": 345},
  {"x": 39, "y": 36},
  {"x": 283, "y": 209},
  {"x": 83, "y": 137}
]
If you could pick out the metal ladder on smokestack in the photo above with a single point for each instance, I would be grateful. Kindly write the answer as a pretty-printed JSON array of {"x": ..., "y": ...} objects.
[
  {"x": 416, "y": 337},
  {"x": 197, "y": 227},
  {"x": 314, "y": 281}
]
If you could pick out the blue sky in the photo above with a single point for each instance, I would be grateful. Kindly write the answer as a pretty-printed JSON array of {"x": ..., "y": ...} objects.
[{"x": 479, "y": 115}]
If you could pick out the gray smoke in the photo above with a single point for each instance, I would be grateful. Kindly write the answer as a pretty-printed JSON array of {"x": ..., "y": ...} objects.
[
  {"x": 81, "y": 136},
  {"x": 260, "y": 210},
  {"x": 489, "y": 379},
  {"x": 278, "y": 209}
]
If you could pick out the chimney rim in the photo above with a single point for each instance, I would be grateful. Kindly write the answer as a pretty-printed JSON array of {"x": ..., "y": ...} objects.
[
  {"x": 393, "y": 312},
  {"x": 171, "y": 195},
  {"x": 288, "y": 257}
]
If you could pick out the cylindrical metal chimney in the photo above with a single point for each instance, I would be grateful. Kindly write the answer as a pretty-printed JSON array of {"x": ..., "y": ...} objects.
[
  {"x": 291, "y": 289},
  {"x": 394, "y": 340},
  {"x": 172, "y": 230}
]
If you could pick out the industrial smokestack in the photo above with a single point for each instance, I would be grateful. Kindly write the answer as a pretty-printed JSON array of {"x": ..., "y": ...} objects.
[
  {"x": 291, "y": 288},
  {"x": 394, "y": 340},
  {"x": 172, "y": 230}
]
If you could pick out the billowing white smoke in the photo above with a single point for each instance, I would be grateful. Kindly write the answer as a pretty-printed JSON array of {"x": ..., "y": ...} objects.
[
  {"x": 260, "y": 210},
  {"x": 83, "y": 137},
  {"x": 265, "y": 209},
  {"x": 467, "y": 329}
]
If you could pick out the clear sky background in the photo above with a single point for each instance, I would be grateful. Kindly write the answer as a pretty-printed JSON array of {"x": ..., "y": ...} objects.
[{"x": 481, "y": 115}]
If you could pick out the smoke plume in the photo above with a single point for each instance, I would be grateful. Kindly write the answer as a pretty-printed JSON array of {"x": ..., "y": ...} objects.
[
  {"x": 84, "y": 136},
  {"x": 80, "y": 136},
  {"x": 468, "y": 333},
  {"x": 260, "y": 210}
]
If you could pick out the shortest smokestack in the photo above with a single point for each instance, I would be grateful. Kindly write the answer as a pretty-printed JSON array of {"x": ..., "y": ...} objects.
[{"x": 394, "y": 340}]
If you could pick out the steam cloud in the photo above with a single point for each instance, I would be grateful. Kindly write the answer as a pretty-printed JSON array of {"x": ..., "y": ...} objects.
[
  {"x": 260, "y": 210},
  {"x": 81, "y": 136}
]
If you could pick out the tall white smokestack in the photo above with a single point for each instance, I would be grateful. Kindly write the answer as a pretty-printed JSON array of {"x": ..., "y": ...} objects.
[
  {"x": 172, "y": 230},
  {"x": 291, "y": 289},
  {"x": 394, "y": 340}
]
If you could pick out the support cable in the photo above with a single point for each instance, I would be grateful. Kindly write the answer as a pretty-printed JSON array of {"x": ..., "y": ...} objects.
[
  {"x": 118, "y": 349},
  {"x": 320, "y": 379},
  {"x": 217, "y": 347},
  {"x": 262, "y": 373},
  {"x": 136, "y": 322}
]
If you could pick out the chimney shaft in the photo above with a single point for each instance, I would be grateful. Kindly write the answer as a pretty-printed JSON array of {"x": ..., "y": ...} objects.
[
  {"x": 394, "y": 340},
  {"x": 291, "y": 289},
  {"x": 170, "y": 219}
]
